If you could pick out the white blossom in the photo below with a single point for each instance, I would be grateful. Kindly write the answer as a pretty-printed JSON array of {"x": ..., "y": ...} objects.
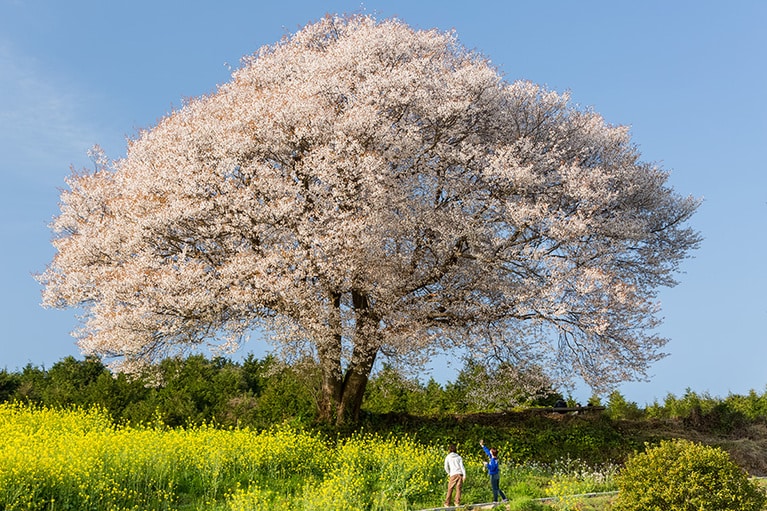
[{"x": 363, "y": 188}]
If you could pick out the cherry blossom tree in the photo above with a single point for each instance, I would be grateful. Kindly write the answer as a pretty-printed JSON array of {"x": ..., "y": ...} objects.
[{"x": 361, "y": 190}]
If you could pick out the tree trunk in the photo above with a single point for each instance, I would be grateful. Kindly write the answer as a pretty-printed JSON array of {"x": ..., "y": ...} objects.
[
  {"x": 341, "y": 394},
  {"x": 366, "y": 345},
  {"x": 332, "y": 385},
  {"x": 330, "y": 363},
  {"x": 354, "y": 388}
]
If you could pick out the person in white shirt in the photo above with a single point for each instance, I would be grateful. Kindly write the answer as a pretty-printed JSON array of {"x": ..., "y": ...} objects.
[{"x": 456, "y": 475}]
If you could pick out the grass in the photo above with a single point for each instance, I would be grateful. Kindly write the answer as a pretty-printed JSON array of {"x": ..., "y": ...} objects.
[
  {"x": 53, "y": 459},
  {"x": 594, "y": 503},
  {"x": 78, "y": 459}
]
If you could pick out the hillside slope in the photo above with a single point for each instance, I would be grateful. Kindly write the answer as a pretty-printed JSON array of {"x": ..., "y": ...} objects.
[{"x": 594, "y": 437}]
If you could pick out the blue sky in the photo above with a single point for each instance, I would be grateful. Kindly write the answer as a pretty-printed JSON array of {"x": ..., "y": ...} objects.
[{"x": 688, "y": 77}]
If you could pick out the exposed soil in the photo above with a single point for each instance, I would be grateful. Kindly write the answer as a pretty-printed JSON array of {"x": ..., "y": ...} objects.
[{"x": 746, "y": 443}]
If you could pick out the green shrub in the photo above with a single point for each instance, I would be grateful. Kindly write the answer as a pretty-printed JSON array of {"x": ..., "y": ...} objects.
[
  {"x": 524, "y": 504},
  {"x": 680, "y": 475}
]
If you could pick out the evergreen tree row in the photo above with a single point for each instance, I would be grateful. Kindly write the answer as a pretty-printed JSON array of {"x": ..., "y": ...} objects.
[
  {"x": 261, "y": 392},
  {"x": 253, "y": 392}
]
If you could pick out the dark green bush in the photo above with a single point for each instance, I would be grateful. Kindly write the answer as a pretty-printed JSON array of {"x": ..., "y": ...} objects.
[{"x": 679, "y": 475}]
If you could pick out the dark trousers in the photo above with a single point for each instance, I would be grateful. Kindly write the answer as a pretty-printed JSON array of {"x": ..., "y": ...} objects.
[{"x": 495, "y": 481}]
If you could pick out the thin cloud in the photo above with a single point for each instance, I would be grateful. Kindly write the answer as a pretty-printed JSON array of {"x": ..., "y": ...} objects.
[{"x": 41, "y": 121}]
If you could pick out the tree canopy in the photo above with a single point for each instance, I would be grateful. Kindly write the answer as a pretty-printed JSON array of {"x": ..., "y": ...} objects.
[{"x": 363, "y": 189}]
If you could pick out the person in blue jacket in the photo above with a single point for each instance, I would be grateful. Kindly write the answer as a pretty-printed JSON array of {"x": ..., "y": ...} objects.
[{"x": 493, "y": 472}]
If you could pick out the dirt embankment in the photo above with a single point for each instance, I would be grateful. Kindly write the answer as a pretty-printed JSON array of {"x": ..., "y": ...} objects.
[{"x": 746, "y": 443}]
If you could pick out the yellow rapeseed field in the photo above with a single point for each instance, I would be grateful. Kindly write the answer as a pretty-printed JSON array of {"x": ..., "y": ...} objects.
[{"x": 78, "y": 459}]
